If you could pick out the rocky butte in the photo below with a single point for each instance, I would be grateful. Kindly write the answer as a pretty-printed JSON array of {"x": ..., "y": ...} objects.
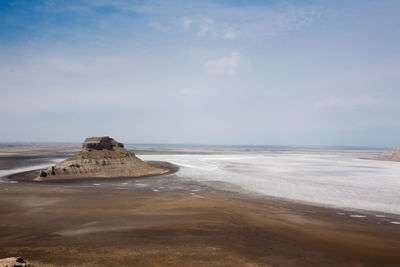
[
  {"x": 100, "y": 157},
  {"x": 391, "y": 154}
]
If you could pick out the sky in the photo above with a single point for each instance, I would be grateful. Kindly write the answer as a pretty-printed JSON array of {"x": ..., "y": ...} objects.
[{"x": 305, "y": 72}]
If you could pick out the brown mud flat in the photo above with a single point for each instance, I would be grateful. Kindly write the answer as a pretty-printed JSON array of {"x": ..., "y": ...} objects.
[{"x": 126, "y": 224}]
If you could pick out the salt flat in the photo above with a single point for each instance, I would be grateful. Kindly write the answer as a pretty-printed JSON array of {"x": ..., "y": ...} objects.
[
  {"x": 331, "y": 179},
  {"x": 340, "y": 180},
  {"x": 208, "y": 214}
]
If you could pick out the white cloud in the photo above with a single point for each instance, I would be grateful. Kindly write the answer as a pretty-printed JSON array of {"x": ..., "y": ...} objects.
[
  {"x": 225, "y": 65},
  {"x": 266, "y": 22},
  {"x": 205, "y": 26},
  {"x": 187, "y": 22},
  {"x": 229, "y": 33}
]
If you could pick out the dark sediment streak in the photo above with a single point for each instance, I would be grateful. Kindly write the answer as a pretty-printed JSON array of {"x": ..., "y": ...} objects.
[{"x": 18, "y": 161}]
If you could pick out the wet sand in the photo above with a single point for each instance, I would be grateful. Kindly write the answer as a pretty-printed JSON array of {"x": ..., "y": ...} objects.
[
  {"x": 169, "y": 221},
  {"x": 161, "y": 221}
]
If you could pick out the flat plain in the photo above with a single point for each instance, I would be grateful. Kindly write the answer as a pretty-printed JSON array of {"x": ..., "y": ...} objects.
[{"x": 176, "y": 221}]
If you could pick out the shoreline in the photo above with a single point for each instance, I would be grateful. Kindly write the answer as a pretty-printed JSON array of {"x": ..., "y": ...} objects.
[
  {"x": 28, "y": 176},
  {"x": 226, "y": 188}
]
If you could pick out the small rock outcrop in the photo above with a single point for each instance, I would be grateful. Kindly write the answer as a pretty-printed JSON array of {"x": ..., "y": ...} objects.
[
  {"x": 100, "y": 143},
  {"x": 100, "y": 157},
  {"x": 13, "y": 262},
  {"x": 391, "y": 154}
]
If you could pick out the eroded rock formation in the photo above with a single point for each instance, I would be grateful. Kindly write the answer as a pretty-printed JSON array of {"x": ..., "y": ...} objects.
[
  {"x": 100, "y": 157},
  {"x": 13, "y": 262},
  {"x": 391, "y": 154}
]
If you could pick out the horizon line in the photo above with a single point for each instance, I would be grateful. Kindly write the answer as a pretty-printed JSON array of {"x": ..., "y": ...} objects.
[{"x": 374, "y": 147}]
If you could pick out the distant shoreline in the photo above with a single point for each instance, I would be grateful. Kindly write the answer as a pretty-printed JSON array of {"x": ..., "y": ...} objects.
[{"x": 28, "y": 176}]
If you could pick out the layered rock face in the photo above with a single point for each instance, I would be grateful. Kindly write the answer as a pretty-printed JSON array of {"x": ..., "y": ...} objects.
[
  {"x": 392, "y": 154},
  {"x": 100, "y": 157}
]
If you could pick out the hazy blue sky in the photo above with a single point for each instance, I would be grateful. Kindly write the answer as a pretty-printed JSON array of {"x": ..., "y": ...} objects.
[{"x": 205, "y": 72}]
